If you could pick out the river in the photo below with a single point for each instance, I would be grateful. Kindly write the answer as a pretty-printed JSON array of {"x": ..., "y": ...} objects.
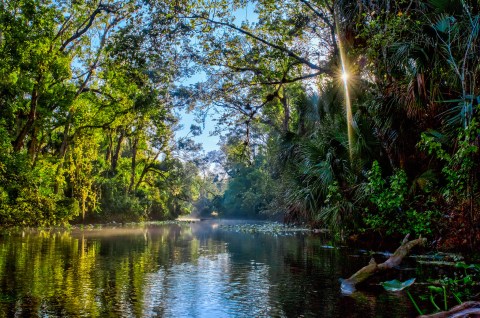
[{"x": 182, "y": 270}]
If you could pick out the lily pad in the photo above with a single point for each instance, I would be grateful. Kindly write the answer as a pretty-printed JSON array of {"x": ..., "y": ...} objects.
[
  {"x": 396, "y": 285},
  {"x": 272, "y": 228}
]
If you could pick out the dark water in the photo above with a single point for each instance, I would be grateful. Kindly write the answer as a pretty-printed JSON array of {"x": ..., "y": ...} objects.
[{"x": 192, "y": 270}]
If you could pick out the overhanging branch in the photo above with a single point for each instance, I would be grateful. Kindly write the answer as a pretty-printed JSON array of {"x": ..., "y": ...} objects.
[{"x": 283, "y": 49}]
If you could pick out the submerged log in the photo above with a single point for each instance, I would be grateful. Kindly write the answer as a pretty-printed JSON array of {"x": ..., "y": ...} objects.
[
  {"x": 348, "y": 285},
  {"x": 467, "y": 309}
]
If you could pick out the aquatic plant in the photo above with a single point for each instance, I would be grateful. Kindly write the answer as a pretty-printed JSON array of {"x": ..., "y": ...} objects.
[
  {"x": 274, "y": 228},
  {"x": 396, "y": 285}
]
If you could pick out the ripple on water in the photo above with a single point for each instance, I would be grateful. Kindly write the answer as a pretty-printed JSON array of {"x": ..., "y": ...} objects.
[{"x": 213, "y": 287}]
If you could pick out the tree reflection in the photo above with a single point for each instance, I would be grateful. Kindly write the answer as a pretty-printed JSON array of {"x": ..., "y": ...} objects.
[{"x": 173, "y": 270}]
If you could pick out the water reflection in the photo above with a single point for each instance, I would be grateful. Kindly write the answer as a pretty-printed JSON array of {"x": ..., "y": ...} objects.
[{"x": 196, "y": 270}]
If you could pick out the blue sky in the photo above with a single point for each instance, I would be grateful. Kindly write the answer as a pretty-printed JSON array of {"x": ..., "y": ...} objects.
[{"x": 209, "y": 142}]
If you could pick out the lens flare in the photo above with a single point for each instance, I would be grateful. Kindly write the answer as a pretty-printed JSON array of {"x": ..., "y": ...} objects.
[{"x": 348, "y": 104}]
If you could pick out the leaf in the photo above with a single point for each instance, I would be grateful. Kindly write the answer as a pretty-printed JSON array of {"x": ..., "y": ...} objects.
[
  {"x": 465, "y": 266},
  {"x": 443, "y": 24},
  {"x": 461, "y": 265},
  {"x": 396, "y": 285},
  {"x": 467, "y": 280},
  {"x": 435, "y": 289}
]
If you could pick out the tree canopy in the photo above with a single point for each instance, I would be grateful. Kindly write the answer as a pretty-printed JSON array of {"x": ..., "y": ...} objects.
[{"x": 358, "y": 116}]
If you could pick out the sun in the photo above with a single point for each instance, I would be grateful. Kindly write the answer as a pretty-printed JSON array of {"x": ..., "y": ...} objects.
[{"x": 345, "y": 76}]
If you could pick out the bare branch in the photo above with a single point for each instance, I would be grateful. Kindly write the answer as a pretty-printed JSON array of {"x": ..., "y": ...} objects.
[{"x": 87, "y": 24}]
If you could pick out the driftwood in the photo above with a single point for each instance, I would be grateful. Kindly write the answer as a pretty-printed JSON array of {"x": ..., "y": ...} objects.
[
  {"x": 467, "y": 309},
  {"x": 348, "y": 285}
]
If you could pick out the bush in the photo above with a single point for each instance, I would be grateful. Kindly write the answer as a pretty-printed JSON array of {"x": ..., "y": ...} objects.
[{"x": 391, "y": 211}]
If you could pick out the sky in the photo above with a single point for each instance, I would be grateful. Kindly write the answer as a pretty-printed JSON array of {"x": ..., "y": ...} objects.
[{"x": 209, "y": 142}]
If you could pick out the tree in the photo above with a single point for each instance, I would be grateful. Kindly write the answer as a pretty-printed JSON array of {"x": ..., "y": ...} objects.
[{"x": 85, "y": 91}]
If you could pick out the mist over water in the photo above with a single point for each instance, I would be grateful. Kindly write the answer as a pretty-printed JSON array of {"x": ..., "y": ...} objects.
[{"x": 181, "y": 270}]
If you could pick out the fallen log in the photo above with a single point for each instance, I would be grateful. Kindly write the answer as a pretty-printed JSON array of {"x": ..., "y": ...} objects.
[
  {"x": 466, "y": 309},
  {"x": 348, "y": 285}
]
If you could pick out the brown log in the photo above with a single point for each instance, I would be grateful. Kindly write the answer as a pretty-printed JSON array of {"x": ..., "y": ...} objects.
[
  {"x": 348, "y": 285},
  {"x": 467, "y": 309}
]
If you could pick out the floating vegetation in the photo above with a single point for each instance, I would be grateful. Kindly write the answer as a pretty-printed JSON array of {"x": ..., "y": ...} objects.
[
  {"x": 168, "y": 222},
  {"x": 274, "y": 228},
  {"x": 437, "y": 263},
  {"x": 396, "y": 285},
  {"x": 445, "y": 257},
  {"x": 128, "y": 224},
  {"x": 327, "y": 246},
  {"x": 438, "y": 259}
]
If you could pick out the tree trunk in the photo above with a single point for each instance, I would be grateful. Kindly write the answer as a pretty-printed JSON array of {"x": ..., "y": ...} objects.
[
  {"x": 20, "y": 140},
  {"x": 134, "y": 163},
  {"x": 33, "y": 145},
  {"x": 62, "y": 151},
  {"x": 145, "y": 170},
  {"x": 142, "y": 175},
  {"x": 302, "y": 110},
  {"x": 108, "y": 155},
  {"x": 286, "y": 111},
  {"x": 117, "y": 149},
  {"x": 66, "y": 131}
]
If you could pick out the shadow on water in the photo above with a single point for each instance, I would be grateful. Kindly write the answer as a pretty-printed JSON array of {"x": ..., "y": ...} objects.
[{"x": 181, "y": 270}]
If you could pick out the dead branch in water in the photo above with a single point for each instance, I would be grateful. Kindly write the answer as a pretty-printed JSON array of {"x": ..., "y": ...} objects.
[{"x": 348, "y": 285}]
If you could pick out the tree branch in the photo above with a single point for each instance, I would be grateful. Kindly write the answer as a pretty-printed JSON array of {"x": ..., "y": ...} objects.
[
  {"x": 283, "y": 49},
  {"x": 290, "y": 80},
  {"x": 319, "y": 14},
  {"x": 467, "y": 309},
  {"x": 87, "y": 24},
  {"x": 99, "y": 92},
  {"x": 348, "y": 285}
]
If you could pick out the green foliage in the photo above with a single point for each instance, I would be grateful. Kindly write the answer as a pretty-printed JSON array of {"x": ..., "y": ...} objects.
[
  {"x": 27, "y": 197},
  {"x": 422, "y": 222},
  {"x": 248, "y": 191},
  {"x": 387, "y": 198},
  {"x": 465, "y": 281},
  {"x": 336, "y": 210},
  {"x": 391, "y": 208},
  {"x": 85, "y": 125},
  {"x": 450, "y": 290},
  {"x": 459, "y": 166}
]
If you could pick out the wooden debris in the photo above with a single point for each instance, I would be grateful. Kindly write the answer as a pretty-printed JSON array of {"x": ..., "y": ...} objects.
[
  {"x": 348, "y": 285},
  {"x": 467, "y": 309}
]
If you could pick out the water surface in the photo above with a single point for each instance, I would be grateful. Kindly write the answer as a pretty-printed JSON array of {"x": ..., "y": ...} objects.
[{"x": 175, "y": 270}]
